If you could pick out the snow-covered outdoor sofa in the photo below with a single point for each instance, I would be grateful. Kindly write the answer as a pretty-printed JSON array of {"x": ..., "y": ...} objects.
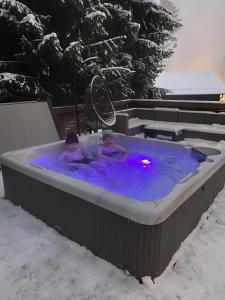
[{"x": 196, "y": 124}]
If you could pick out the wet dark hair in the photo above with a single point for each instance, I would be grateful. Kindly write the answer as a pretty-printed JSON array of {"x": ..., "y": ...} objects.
[
  {"x": 71, "y": 138},
  {"x": 106, "y": 136}
]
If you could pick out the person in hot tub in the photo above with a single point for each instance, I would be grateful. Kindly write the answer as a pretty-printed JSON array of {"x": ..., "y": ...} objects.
[
  {"x": 108, "y": 150},
  {"x": 73, "y": 156}
]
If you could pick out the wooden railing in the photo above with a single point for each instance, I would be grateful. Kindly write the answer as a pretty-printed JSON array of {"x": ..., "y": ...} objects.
[
  {"x": 72, "y": 118},
  {"x": 215, "y": 106}
]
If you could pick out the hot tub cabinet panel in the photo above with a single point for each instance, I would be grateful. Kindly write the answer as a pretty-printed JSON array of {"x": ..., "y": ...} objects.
[
  {"x": 140, "y": 249},
  {"x": 138, "y": 237}
]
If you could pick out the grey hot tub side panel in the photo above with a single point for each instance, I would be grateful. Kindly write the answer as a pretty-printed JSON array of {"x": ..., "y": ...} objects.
[
  {"x": 120, "y": 241},
  {"x": 140, "y": 249}
]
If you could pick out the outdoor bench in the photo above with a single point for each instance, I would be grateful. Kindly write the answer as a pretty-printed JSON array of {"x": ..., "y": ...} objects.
[{"x": 176, "y": 134}]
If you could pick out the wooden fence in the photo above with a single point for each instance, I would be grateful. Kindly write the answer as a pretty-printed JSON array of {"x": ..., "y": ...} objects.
[
  {"x": 72, "y": 118},
  {"x": 215, "y": 106}
]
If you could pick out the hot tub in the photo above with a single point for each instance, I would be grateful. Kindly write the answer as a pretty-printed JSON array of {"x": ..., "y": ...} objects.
[{"x": 136, "y": 234}]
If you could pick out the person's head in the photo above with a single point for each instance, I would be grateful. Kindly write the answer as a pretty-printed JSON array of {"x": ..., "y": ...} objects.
[
  {"x": 108, "y": 139},
  {"x": 71, "y": 141}
]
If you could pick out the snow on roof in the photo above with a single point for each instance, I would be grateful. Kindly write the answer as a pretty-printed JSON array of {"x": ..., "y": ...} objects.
[
  {"x": 190, "y": 82},
  {"x": 148, "y": 1}
]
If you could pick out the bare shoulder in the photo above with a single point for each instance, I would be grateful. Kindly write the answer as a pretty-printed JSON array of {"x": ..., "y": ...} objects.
[
  {"x": 100, "y": 146},
  {"x": 121, "y": 148},
  {"x": 62, "y": 155},
  {"x": 100, "y": 149}
]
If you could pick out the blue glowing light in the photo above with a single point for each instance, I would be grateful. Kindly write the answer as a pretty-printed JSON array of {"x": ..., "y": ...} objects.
[
  {"x": 139, "y": 161},
  {"x": 144, "y": 175},
  {"x": 145, "y": 162}
]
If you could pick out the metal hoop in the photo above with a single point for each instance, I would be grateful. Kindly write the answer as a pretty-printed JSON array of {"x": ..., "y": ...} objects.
[{"x": 110, "y": 117}]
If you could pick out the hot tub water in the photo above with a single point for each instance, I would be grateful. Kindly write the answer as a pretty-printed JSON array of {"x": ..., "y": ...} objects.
[{"x": 146, "y": 175}]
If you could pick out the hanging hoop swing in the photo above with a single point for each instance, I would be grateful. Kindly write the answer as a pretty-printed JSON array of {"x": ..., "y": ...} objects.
[{"x": 100, "y": 101}]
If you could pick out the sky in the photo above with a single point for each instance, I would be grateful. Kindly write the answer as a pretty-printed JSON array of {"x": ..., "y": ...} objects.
[{"x": 201, "y": 40}]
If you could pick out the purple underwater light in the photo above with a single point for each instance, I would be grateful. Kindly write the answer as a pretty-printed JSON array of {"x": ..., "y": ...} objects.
[
  {"x": 145, "y": 162},
  {"x": 139, "y": 161},
  {"x": 142, "y": 176}
]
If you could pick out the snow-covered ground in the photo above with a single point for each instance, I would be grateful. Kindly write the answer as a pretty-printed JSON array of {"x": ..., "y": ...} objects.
[{"x": 38, "y": 263}]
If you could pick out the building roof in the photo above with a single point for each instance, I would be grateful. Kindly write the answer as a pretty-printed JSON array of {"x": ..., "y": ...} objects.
[{"x": 191, "y": 82}]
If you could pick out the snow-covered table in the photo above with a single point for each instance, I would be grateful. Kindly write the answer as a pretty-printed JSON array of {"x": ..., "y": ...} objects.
[{"x": 177, "y": 134}]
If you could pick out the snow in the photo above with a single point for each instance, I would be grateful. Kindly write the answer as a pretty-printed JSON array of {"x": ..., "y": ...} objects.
[
  {"x": 8, "y": 77},
  {"x": 49, "y": 36},
  {"x": 190, "y": 82},
  {"x": 135, "y": 25},
  {"x": 4, "y": 13},
  {"x": 163, "y": 13},
  {"x": 93, "y": 58},
  {"x": 111, "y": 43},
  {"x": 74, "y": 49},
  {"x": 124, "y": 13},
  {"x": 94, "y": 14},
  {"x": 14, "y": 7},
  {"x": 183, "y": 101},
  {"x": 148, "y": 1},
  {"x": 148, "y": 43},
  {"x": 29, "y": 18},
  {"x": 165, "y": 127},
  {"x": 213, "y": 128},
  {"x": 51, "y": 39},
  {"x": 38, "y": 263},
  {"x": 118, "y": 68}
]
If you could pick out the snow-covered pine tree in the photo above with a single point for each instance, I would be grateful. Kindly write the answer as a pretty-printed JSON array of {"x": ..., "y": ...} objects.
[
  {"x": 31, "y": 52},
  {"x": 168, "y": 5},
  {"x": 14, "y": 19},
  {"x": 55, "y": 47},
  {"x": 100, "y": 48},
  {"x": 148, "y": 31}
]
